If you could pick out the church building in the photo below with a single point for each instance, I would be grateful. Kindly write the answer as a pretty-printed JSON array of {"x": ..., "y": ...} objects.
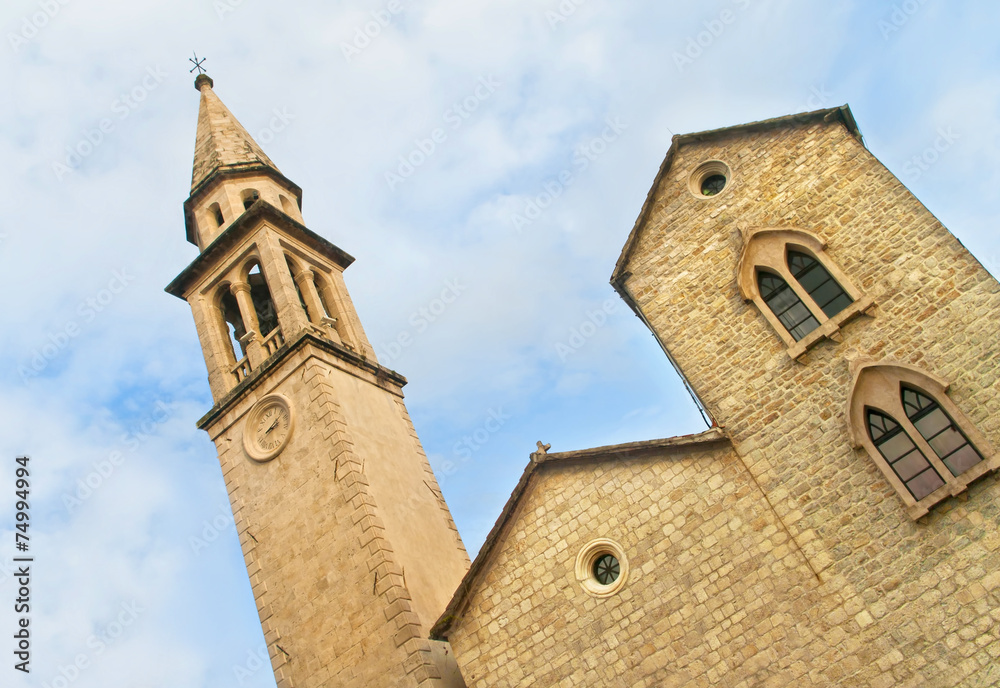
[{"x": 838, "y": 525}]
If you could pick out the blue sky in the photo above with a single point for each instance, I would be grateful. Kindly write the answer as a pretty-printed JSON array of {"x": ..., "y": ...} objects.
[{"x": 103, "y": 377}]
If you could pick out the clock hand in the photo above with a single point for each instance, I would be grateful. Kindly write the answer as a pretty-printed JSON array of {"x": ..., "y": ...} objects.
[{"x": 273, "y": 426}]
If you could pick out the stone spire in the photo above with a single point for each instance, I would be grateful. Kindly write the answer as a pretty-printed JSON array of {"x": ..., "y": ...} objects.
[{"x": 221, "y": 140}]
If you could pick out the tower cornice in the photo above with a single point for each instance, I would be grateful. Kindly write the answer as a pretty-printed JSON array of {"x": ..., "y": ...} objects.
[
  {"x": 262, "y": 373},
  {"x": 232, "y": 172},
  {"x": 239, "y": 230}
]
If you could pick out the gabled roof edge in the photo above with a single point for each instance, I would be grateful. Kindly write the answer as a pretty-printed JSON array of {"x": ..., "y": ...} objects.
[
  {"x": 841, "y": 112},
  {"x": 620, "y": 451}
]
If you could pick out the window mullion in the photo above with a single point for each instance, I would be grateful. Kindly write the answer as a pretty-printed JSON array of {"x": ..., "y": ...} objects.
[
  {"x": 927, "y": 449},
  {"x": 800, "y": 291}
]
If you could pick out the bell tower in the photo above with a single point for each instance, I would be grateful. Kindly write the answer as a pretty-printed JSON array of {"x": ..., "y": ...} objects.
[{"x": 351, "y": 550}]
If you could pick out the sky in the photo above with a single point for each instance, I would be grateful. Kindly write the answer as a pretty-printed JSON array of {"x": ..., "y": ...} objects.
[{"x": 541, "y": 125}]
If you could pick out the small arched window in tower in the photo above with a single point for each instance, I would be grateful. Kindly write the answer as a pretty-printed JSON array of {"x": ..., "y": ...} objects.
[
  {"x": 250, "y": 197},
  {"x": 940, "y": 432},
  {"x": 267, "y": 314},
  {"x": 216, "y": 212},
  {"x": 786, "y": 305},
  {"x": 298, "y": 289},
  {"x": 321, "y": 289},
  {"x": 234, "y": 323},
  {"x": 286, "y": 205},
  {"x": 902, "y": 454},
  {"x": 821, "y": 286}
]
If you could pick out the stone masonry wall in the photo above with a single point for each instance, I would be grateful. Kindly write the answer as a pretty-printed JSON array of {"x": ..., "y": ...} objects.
[
  {"x": 332, "y": 598},
  {"x": 921, "y": 599},
  {"x": 717, "y": 595}
]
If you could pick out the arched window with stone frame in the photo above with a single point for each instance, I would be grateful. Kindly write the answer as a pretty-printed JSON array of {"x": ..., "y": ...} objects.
[
  {"x": 296, "y": 272},
  {"x": 796, "y": 286},
  {"x": 331, "y": 316},
  {"x": 249, "y": 197},
  {"x": 923, "y": 444},
  {"x": 232, "y": 331},
  {"x": 260, "y": 295}
]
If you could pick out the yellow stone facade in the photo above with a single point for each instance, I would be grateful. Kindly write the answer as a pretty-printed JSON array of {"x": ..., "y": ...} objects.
[{"x": 777, "y": 554}]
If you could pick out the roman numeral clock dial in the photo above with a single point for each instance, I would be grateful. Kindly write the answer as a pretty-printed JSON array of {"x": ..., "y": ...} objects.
[{"x": 268, "y": 428}]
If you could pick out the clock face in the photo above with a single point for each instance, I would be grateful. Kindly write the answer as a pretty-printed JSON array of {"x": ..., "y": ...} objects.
[{"x": 268, "y": 427}]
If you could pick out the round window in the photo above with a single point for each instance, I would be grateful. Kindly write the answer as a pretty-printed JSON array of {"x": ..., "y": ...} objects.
[
  {"x": 601, "y": 567},
  {"x": 709, "y": 179},
  {"x": 606, "y": 569},
  {"x": 713, "y": 185}
]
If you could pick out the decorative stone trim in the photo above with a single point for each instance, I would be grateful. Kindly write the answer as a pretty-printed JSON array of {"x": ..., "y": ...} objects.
[
  {"x": 767, "y": 247},
  {"x": 877, "y": 384},
  {"x": 705, "y": 170},
  {"x": 584, "y": 568},
  {"x": 389, "y": 584}
]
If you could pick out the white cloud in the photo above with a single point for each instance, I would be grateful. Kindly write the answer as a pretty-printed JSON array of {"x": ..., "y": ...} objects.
[{"x": 525, "y": 292}]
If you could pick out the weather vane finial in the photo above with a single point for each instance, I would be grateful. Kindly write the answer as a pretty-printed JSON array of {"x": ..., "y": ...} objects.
[{"x": 197, "y": 64}]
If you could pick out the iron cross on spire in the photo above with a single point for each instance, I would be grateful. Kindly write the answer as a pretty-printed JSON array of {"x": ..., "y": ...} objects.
[{"x": 197, "y": 64}]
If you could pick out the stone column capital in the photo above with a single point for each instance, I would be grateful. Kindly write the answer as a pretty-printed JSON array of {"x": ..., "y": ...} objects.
[
  {"x": 237, "y": 288},
  {"x": 305, "y": 275}
]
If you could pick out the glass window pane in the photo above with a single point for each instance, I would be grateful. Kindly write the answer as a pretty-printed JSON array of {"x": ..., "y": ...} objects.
[
  {"x": 798, "y": 263},
  {"x": 817, "y": 280},
  {"x": 769, "y": 284},
  {"x": 910, "y": 465},
  {"x": 837, "y": 305},
  {"x": 962, "y": 460},
  {"x": 914, "y": 402},
  {"x": 947, "y": 442},
  {"x": 795, "y": 315},
  {"x": 825, "y": 292},
  {"x": 805, "y": 328},
  {"x": 812, "y": 278},
  {"x": 785, "y": 304},
  {"x": 925, "y": 483},
  {"x": 895, "y": 447},
  {"x": 933, "y": 423},
  {"x": 878, "y": 424},
  {"x": 782, "y": 300}
]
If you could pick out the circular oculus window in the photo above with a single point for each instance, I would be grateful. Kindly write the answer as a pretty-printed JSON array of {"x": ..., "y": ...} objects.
[
  {"x": 709, "y": 179},
  {"x": 602, "y": 568}
]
